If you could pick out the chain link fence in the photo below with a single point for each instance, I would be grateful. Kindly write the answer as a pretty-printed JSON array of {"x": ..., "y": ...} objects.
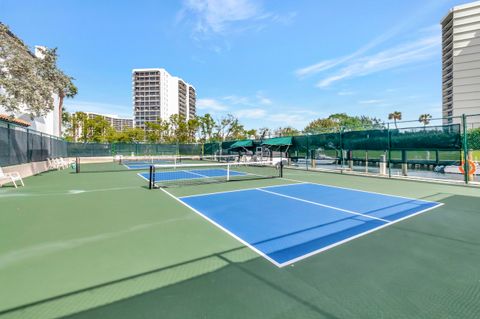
[
  {"x": 19, "y": 145},
  {"x": 446, "y": 149}
]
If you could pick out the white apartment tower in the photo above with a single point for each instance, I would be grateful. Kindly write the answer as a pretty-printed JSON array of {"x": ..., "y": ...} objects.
[
  {"x": 461, "y": 61},
  {"x": 158, "y": 95}
]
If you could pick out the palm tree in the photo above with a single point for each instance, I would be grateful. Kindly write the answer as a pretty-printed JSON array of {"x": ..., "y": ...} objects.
[
  {"x": 396, "y": 115},
  {"x": 425, "y": 119}
]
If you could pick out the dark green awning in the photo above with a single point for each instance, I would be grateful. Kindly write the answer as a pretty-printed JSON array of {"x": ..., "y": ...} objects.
[
  {"x": 242, "y": 144},
  {"x": 278, "y": 141}
]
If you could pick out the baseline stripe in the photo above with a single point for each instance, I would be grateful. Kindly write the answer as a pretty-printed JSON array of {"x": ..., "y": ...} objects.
[{"x": 326, "y": 206}]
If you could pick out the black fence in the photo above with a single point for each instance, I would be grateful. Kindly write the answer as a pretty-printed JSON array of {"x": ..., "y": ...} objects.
[
  {"x": 20, "y": 145},
  {"x": 137, "y": 149}
]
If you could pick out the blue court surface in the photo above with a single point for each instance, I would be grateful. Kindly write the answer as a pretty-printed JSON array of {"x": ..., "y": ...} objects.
[
  {"x": 145, "y": 165},
  {"x": 180, "y": 174},
  {"x": 290, "y": 222}
]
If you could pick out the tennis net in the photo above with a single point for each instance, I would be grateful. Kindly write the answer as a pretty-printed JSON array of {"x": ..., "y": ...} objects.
[
  {"x": 132, "y": 163},
  {"x": 139, "y": 160},
  {"x": 193, "y": 174}
]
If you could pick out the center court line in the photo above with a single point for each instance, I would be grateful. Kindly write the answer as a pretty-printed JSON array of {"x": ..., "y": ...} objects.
[
  {"x": 299, "y": 258},
  {"x": 362, "y": 191},
  {"x": 326, "y": 206},
  {"x": 224, "y": 229}
]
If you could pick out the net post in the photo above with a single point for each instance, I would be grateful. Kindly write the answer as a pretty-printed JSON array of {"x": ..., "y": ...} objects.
[
  {"x": 281, "y": 169},
  {"x": 151, "y": 177},
  {"x": 228, "y": 172},
  {"x": 77, "y": 165}
]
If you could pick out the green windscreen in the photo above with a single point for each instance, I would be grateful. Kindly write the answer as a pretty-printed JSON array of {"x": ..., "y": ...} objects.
[{"x": 444, "y": 137}]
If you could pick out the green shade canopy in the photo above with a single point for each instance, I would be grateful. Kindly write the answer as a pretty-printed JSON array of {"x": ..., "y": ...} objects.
[
  {"x": 278, "y": 141},
  {"x": 242, "y": 144}
]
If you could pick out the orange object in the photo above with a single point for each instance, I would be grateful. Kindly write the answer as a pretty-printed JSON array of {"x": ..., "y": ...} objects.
[{"x": 471, "y": 167}]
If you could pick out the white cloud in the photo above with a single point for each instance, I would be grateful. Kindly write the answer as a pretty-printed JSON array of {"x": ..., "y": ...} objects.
[
  {"x": 405, "y": 24},
  {"x": 371, "y": 101},
  {"x": 215, "y": 15},
  {"x": 211, "y": 104},
  {"x": 318, "y": 67},
  {"x": 263, "y": 99},
  {"x": 234, "y": 99},
  {"x": 259, "y": 98},
  {"x": 224, "y": 16},
  {"x": 289, "y": 119},
  {"x": 258, "y": 110},
  {"x": 254, "y": 113},
  {"x": 387, "y": 59}
]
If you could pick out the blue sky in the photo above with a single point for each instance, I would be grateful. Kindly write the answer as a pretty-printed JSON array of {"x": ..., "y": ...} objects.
[{"x": 271, "y": 63}]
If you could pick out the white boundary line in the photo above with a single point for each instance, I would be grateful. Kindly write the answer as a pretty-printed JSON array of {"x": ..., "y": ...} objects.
[
  {"x": 358, "y": 190},
  {"x": 280, "y": 265},
  {"x": 239, "y": 190},
  {"x": 140, "y": 174},
  {"x": 356, "y": 236},
  {"x": 224, "y": 229},
  {"x": 201, "y": 175},
  {"x": 326, "y": 206},
  {"x": 169, "y": 180}
]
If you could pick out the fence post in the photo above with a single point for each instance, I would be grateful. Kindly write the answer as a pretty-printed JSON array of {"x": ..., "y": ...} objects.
[
  {"x": 29, "y": 155},
  {"x": 9, "y": 138},
  {"x": 389, "y": 145},
  {"x": 466, "y": 165},
  {"x": 41, "y": 146},
  {"x": 342, "y": 158},
  {"x": 308, "y": 152}
]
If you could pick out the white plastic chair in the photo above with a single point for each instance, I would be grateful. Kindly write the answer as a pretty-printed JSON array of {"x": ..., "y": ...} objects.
[
  {"x": 51, "y": 165},
  {"x": 59, "y": 163},
  {"x": 64, "y": 163},
  {"x": 12, "y": 177}
]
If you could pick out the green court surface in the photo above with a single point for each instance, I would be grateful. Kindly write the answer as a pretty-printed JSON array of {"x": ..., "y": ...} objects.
[{"x": 102, "y": 245}]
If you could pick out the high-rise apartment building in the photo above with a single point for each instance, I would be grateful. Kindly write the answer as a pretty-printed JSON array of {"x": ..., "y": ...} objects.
[
  {"x": 461, "y": 61},
  {"x": 159, "y": 95}
]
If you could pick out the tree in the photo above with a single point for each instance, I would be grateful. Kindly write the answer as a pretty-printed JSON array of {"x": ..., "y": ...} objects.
[
  {"x": 29, "y": 82},
  {"x": 78, "y": 130},
  {"x": 178, "y": 128},
  {"x": 425, "y": 119},
  {"x": 98, "y": 129},
  {"x": 61, "y": 84},
  {"x": 207, "y": 125},
  {"x": 263, "y": 133},
  {"x": 320, "y": 125},
  {"x": 252, "y": 134},
  {"x": 193, "y": 126},
  {"x": 229, "y": 128},
  {"x": 395, "y": 116},
  {"x": 131, "y": 135},
  {"x": 339, "y": 121},
  {"x": 286, "y": 131},
  {"x": 157, "y": 132},
  {"x": 22, "y": 85}
]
